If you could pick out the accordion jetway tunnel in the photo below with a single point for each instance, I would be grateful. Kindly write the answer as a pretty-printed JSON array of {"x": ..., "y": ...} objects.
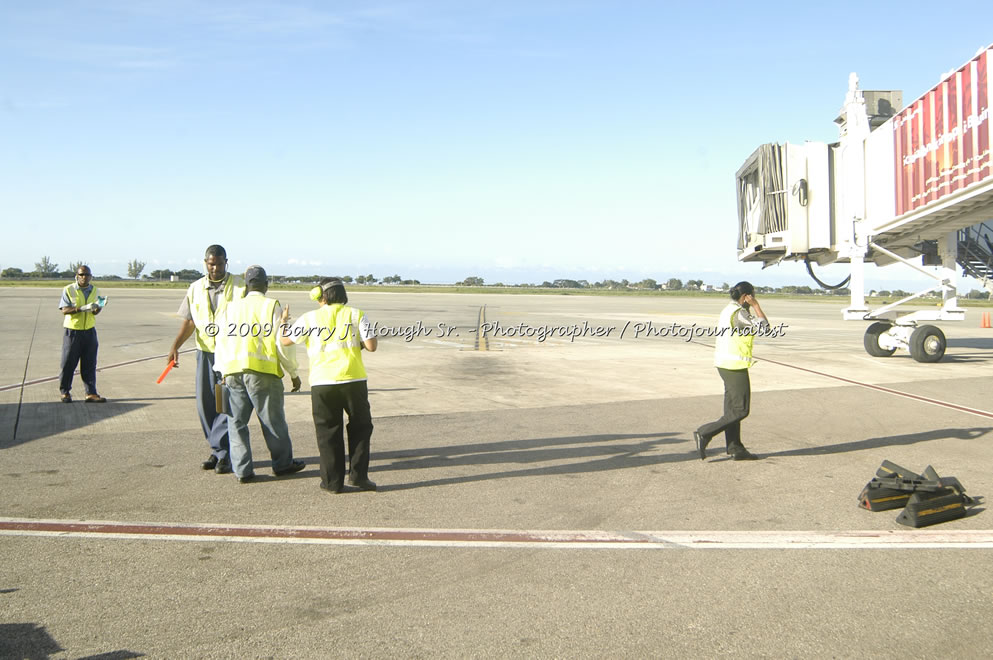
[{"x": 903, "y": 185}]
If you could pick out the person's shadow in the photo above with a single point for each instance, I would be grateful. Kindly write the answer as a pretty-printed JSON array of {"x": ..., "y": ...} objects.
[{"x": 538, "y": 456}]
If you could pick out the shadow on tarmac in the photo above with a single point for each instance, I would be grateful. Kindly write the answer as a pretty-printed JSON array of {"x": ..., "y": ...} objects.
[
  {"x": 31, "y": 641},
  {"x": 886, "y": 441},
  {"x": 971, "y": 342},
  {"x": 40, "y": 420},
  {"x": 964, "y": 359},
  {"x": 607, "y": 451}
]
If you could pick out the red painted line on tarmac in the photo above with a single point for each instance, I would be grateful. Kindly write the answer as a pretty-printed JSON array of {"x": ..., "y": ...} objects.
[
  {"x": 262, "y": 532},
  {"x": 887, "y": 390},
  {"x": 779, "y": 540},
  {"x": 878, "y": 388},
  {"x": 49, "y": 379}
]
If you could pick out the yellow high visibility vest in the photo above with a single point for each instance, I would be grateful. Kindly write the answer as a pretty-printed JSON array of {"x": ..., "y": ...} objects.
[
  {"x": 247, "y": 340},
  {"x": 82, "y": 320},
  {"x": 334, "y": 347},
  {"x": 733, "y": 350},
  {"x": 203, "y": 315}
]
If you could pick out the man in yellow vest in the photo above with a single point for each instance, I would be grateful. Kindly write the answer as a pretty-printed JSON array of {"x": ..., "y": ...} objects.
[
  {"x": 205, "y": 299},
  {"x": 79, "y": 305},
  {"x": 741, "y": 319},
  {"x": 335, "y": 335},
  {"x": 250, "y": 358}
]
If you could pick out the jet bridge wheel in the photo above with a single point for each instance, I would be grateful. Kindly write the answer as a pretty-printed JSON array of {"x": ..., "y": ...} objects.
[
  {"x": 927, "y": 344},
  {"x": 871, "y": 340}
]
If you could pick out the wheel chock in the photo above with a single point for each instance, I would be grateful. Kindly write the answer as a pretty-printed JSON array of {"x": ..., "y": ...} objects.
[
  {"x": 878, "y": 498},
  {"x": 888, "y": 469},
  {"x": 926, "y": 498},
  {"x": 925, "y": 509}
]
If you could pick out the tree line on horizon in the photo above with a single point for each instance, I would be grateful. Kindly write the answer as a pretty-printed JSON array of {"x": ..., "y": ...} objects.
[{"x": 47, "y": 269}]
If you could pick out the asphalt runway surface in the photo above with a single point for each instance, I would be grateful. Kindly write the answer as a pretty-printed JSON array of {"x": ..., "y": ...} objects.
[{"x": 536, "y": 498}]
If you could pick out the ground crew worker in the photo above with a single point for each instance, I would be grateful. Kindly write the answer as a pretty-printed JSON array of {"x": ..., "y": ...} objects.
[
  {"x": 335, "y": 335},
  {"x": 741, "y": 319},
  {"x": 250, "y": 358},
  {"x": 79, "y": 339},
  {"x": 206, "y": 298}
]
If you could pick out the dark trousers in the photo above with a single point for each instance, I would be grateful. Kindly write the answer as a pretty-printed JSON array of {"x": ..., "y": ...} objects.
[
  {"x": 328, "y": 403},
  {"x": 213, "y": 423},
  {"x": 737, "y": 399},
  {"x": 79, "y": 346}
]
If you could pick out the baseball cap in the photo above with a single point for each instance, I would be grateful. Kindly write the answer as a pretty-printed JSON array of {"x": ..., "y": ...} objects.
[{"x": 256, "y": 274}]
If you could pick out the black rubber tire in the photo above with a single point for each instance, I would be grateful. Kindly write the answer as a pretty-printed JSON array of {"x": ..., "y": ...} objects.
[
  {"x": 871, "y": 340},
  {"x": 927, "y": 344}
]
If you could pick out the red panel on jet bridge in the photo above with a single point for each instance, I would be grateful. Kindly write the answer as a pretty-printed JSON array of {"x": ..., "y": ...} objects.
[{"x": 942, "y": 140}]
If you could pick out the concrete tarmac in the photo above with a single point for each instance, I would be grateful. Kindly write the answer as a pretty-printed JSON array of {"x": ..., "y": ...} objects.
[{"x": 479, "y": 455}]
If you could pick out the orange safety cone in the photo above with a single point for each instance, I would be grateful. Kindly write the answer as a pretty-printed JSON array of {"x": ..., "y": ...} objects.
[{"x": 985, "y": 323}]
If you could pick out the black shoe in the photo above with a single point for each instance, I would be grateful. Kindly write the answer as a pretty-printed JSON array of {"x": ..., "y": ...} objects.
[
  {"x": 223, "y": 466},
  {"x": 247, "y": 478},
  {"x": 66, "y": 397},
  {"x": 701, "y": 445},
  {"x": 295, "y": 466},
  {"x": 362, "y": 484},
  {"x": 743, "y": 454},
  {"x": 332, "y": 489},
  {"x": 210, "y": 463}
]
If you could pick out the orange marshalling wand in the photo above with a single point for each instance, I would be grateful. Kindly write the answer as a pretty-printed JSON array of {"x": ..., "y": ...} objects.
[{"x": 172, "y": 363}]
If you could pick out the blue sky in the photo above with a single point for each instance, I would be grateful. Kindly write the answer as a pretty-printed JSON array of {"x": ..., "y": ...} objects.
[{"x": 516, "y": 141}]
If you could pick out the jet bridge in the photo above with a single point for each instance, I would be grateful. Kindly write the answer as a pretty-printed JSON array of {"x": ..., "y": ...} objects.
[{"x": 910, "y": 185}]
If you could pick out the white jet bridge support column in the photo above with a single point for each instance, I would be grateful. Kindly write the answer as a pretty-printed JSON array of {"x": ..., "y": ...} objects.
[
  {"x": 948, "y": 273},
  {"x": 853, "y": 131},
  {"x": 890, "y": 331}
]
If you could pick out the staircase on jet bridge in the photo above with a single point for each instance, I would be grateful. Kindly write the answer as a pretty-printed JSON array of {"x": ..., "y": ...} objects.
[{"x": 975, "y": 253}]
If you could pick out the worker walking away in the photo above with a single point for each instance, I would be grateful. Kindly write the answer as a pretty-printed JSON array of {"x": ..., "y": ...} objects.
[
  {"x": 251, "y": 361},
  {"x": 335, "y": 335},
  {"x": 80, "y": 306},
  {"x": 205, "y": 299},
  {"x": 741, "y": 319}
]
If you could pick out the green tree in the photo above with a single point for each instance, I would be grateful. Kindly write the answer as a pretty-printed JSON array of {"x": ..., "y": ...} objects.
[
  {"x": 474, "y": 281},
  {"x": 674, "y": 284},
  {"x": 188, "y": 274},
  {"x": 134, "y": 268},
  {"x": 46, "y": 267},
  {"x": 12, "y": 272}
]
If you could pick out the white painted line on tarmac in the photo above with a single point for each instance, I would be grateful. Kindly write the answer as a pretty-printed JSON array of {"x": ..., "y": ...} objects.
[{"x": 488, "y": 538}]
